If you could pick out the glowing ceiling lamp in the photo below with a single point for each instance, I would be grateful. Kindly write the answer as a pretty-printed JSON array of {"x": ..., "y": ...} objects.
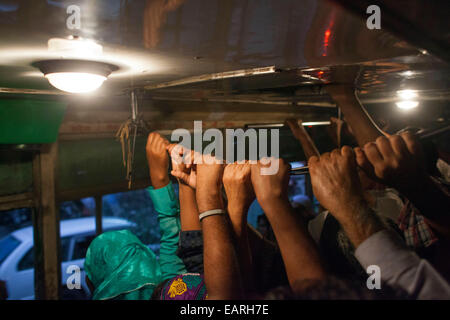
[
  {"x": 76, "y": 82},
  {"x": 407, "y": 101},
  {"x": 75, "y": 76},
  {"x": 408, "y": 104},
  {"x": 77, "y": 70},
  {"x": 407, "y": 94}
]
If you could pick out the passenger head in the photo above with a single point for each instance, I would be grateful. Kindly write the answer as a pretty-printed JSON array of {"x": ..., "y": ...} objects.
[
  {"x": 263, "y": 224},
  {"x": 303, "y": 206},
  {"x": 119, "y": 266}
]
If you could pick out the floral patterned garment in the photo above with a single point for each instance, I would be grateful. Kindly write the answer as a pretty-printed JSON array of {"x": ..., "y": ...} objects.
[{"x": 190, "y": 286}]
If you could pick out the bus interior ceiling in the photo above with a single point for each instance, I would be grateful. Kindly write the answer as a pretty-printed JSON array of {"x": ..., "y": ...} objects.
[{"x": 226, "y": 63}]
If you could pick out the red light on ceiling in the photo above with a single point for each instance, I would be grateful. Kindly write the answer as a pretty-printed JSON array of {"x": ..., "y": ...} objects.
[{"x": 326, "y": 41}]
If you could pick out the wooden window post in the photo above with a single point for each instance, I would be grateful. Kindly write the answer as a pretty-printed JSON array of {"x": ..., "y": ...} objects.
[{"x": 46, "y": 225}]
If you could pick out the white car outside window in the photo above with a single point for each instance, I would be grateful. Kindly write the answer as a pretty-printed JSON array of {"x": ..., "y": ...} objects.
[{"x": 17, "y": 255}]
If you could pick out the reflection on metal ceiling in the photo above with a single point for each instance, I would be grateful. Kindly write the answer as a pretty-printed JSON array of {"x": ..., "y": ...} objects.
[
  {"x": 158, "y": 40},
  {"x": 183, "y": 49}
]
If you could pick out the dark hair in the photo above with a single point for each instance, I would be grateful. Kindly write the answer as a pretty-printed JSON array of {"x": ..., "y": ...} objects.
[{"x": 262, "y": 217}]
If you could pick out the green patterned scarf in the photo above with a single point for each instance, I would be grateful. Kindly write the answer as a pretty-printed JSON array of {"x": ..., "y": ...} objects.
[{"x": 121, "y": 267}]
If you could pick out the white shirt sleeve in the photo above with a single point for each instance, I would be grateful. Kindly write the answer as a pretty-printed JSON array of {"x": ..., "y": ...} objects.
[
  {"x": 315, "y": 226},
  {"x": 401, "y": 267}
]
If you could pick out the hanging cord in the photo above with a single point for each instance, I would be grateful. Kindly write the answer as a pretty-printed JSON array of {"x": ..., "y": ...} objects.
[{"x": 127, "y": 135}]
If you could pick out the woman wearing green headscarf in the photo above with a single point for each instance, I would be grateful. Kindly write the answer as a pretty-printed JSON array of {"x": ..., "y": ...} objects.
[{"x": 118, "y": 265}]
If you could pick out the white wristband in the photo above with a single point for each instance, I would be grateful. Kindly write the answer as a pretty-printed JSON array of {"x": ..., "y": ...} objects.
[{"x": 208, "y": 213}]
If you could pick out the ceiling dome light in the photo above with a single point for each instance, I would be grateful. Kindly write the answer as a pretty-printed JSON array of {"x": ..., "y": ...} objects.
[
  {"x": 407, "y": 104},
  {"x": 407, "y": 94},
  {"x": 75, "y": 82},
  {"x": 75, "y": 76},
  {"x": 406, "y": 99},
  {"x": 75, "y": 48}
]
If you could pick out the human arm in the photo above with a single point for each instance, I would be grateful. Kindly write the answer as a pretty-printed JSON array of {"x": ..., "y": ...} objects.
[
  {"x": 188, "y": 209},
  {"x": 300, "y": 255},
  {"x": 184, "y": 171},
  {"x": 300, "y": 133},
  {"x": 238, "y": 187},
  {"x": 363, "y": 127},
  {"x": 166, "y": 204},
  {"x": 158, "y": 160},
  {"x": 397, "y": 161},
  {"x": 221, "y": 268},
  {"x": 401, "y": 267},
  {"x": 336, "y": 186}
]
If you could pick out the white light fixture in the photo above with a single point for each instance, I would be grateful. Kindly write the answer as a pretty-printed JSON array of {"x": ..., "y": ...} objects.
[
  {"x": 76, "y": 69},
  {"x": 75, "y": 76},
  {"x": 281, "y": 125},
  {"x": 408, "y": 74},
  {"x": 316, "y": 123},
  {"x": 75, "y": 82},
  {"x": 75, "y": 48},
  {"x": 407, "y": 94},
  {"x": 407, "y": 102}
]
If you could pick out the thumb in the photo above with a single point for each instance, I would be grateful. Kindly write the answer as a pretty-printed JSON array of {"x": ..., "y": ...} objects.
[
  {"x": 184, "y": 177},
  {"x": 364, "y": 163},
  {"x": 170, "y": 147},
  {"x": 361, "y": 158}
]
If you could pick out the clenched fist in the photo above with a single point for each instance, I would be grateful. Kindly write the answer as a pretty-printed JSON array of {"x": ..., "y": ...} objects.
[
  {"x": 396, "y": 160},
  {"x": 237, "y": 182},
  {"x": 270, "y": 187},
  {"x": 183, "y": 167},
  {"x": 158, "y": 159},
  {"x": 335, "y": 181}
]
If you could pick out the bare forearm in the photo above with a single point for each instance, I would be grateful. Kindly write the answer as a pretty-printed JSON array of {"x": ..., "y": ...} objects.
[
  {"x": 300, "y": 133},
  {"x": 309, "y": 148},
  {"x": 363, "y": 127},
  {"x": 158, "y": 177},
  {"x": 359, "y": 222},
  {"x": 238, "y": 218},
  {"x": 299, "y": 252},
  {"x": 157, "y": 160},
  {"x": 188, "y": 209},
  {"x": 221, "y": 267}
]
